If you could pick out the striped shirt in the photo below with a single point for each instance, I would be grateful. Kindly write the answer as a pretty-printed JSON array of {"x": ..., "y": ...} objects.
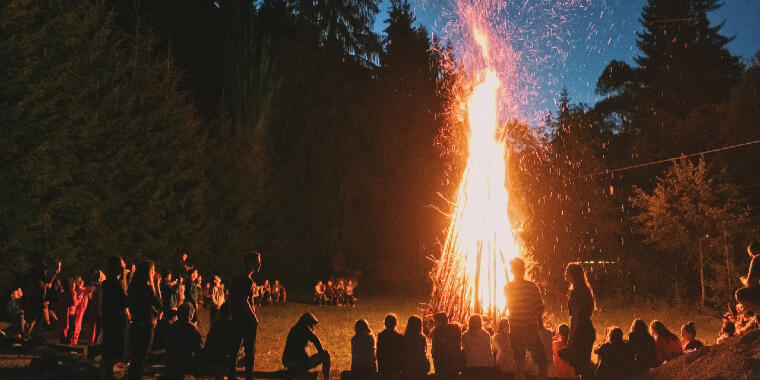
[{"x": 524, "y": 304}]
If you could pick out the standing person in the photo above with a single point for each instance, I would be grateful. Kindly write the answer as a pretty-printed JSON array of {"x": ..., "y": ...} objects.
[
  {"x": 390, "y": 343},
  {"x": 83, "y": 295},
  {"x": 525, "y": 312},
  {"x": 415, "y": 362},
  {"x": 193, "y": 290},
  {"x": 749, "y": 295},
  {"x": 501, "y": 345},
  {"x": 144, "y": 299},
  {"x": 296, "y": 357},
  {"x": 666, "y": 344},
  {"x": 580, "y": 304},
  {"x": 217, "y": 299},
  {"x": 614, "y": 357},
  {"x": 363, "y": 359},
  {"x": 243, "y": 313},
  {"x": 94, "y": 315},
  {"x": 15, "y": 314},
  {"x": 476, "y": 347},
  {"x": 169, "y": 292},
  {"x": 184, "y": 266},
  {"x": 689, "y": 337},
  {"x": 69, "y": 303},
  {"x": 642, "y": 347},
  {"x": 34, "y": 304},
  {"x": 446, "y": 339},
  {"x": 115, "y": 315},
  {"x": 319, "y": 294}
]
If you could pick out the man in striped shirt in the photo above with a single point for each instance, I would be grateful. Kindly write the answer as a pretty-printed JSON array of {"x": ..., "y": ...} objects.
[{"x": 525, "y": 311}]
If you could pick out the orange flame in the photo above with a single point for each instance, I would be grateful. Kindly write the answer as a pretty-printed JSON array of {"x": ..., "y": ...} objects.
[{"x": 472, "y": 272}]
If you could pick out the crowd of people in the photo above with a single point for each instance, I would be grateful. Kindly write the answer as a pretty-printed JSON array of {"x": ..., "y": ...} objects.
[
  {"x": 157, "y": 312},
  {"x": 340, "y": 293}
]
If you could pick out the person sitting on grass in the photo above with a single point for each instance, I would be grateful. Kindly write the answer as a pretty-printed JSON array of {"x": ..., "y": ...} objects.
[
  {"x": 749, "y": 296},
  {"x": 501, "y": 345},
  {"x": 667, "y": 345},
  {"x": 642, "y": 346},
  {"x": 689, "y": 337},
  {"x": 389, "y": 346},
  {"x": 726, "y": 331},
  {"x": 296, "y": 357},
  {"x": 363, "y": 360},
  {"x": 476, "y": 347},
  {"x": 168, "y": 318},
  {"x": 319, "y": 294},
  {"x": 563, "y": 369},
  {"x": 183, "y": 343},
  {"x": 446, "y": 339},
  {"x": 614, "y": 357},
  {"x": 415, "y": 361}
]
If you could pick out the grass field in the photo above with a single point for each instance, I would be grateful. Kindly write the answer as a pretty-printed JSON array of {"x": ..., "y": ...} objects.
[{"x": 336, "y": 324}]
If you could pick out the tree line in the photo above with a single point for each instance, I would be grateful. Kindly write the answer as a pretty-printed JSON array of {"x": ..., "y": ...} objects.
[{"x": 146, "y": 129}]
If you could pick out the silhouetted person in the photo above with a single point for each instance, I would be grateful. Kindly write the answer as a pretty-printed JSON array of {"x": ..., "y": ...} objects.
[
  {"x": 689, "y": 337},
  {"x": 642, "y": 347},
  {"x": 580, "y": 304},
  {"x": 183, "y": 343},
  {"x": 243, "y": 313},
  {"x": 35, "y": 300},
  {"x": 390, "y": 345},
  {"x": 476, "y": 348},
  {"x": 614, "y": 357},
  {"x": 222, "y": 342},
  {"x": 169, "y": 292},
  {"x": 501, "y": 344},
  {"x": 525, "y": 312},
  {"x": 446, "y": 339},
  {"x": 115, "y": 315},
  {"x": 667, "y": 345},
  {"x": 144, "y": 299},
  {"x": 415, "y": 362},
  {"x": 296, "y": 357},
  {"x": 726, "y": 331},
  {"x": 168, "y": 317},
  {"x": 563, "y": 369},
  {"x": 749, "y": 295},
  {"x": 363, "y": 360}
]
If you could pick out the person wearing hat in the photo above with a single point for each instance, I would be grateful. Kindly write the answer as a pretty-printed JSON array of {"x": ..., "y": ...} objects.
[{"x": 296, "y": 356}]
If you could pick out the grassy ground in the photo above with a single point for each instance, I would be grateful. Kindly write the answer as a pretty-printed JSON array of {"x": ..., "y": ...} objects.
[{"x": 336, "y": 324}]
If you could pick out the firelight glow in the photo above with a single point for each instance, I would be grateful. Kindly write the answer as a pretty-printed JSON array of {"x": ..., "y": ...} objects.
[{"x": 472, "y": 272}]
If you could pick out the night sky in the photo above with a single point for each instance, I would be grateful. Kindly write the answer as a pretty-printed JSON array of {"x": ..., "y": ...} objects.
[{"x": 589, "y": 34}]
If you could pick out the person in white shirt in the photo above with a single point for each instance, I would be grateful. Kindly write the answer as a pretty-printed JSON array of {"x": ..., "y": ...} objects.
[
  {"x": 476, "y": 346},
  {"x": 501, "y": 345}
]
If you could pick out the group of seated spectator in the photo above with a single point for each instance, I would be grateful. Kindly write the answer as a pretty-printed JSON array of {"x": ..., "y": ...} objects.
[
  {"x": 270, "y": 294},
  {"x": 340, "y": 293}
]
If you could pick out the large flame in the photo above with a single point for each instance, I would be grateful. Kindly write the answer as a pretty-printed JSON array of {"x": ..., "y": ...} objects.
[{"x": 472, "y": 272}]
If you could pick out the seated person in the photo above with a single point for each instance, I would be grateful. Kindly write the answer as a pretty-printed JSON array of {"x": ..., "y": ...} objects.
[
  {"x": 415, "y": 363},
  {"x": 563, "y": 369},
  {"x": 390, "y": 345},
  {"x": 501, "y": 344},
  {"x": 749, "y": 295},
  {"x": 446, "y": 342},
  {"x": 363, "y": 360},
  {"x": 666, "y": 344},
  {"x": 689, "y": 337},
  {"x": 319, "y": 294},
  {"x": 614, "y": 357},
  {"x": 726, "y": 331},
  {"x": 221, "y": 347},
  {"x": 279, "y": 295},
  {"x": 296, "y": 357},
  {"x": 183, "y": 343},
  {"x": 162, "y": 329},
  {"x": 348, "y": 294}
]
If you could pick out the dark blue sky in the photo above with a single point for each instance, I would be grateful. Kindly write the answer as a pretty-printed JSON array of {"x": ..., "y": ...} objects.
[{"x": 586, "y": 36}]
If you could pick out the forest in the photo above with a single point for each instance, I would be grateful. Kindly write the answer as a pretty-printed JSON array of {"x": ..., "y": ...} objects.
[{"x": 150, "y": 128}]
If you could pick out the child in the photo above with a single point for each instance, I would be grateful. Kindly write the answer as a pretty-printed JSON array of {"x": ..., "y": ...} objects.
[
  {"x": 667, "y": 344},
  {"x": 689, "y": 337},
  {"x": 563, "y": 369},
  {"x": 726, "y": 331},
  {"x": 501, "y": 344},
  {"x": 614, "y": 357}
]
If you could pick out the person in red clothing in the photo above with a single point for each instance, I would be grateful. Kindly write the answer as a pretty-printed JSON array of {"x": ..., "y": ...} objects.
[
  {"x": 83, "y": 294},
  {"x": 667, "y": 344},
  {"x": 563, "y": 369},
  {"x": 69, "y": 303}
]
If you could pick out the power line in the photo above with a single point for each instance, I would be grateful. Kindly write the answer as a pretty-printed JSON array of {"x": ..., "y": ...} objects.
[{"x": 636, "y": 166}]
